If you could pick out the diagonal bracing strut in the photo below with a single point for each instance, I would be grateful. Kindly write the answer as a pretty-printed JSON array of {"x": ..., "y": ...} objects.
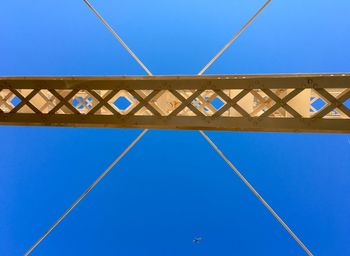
[{"x": 145, "y": 130}]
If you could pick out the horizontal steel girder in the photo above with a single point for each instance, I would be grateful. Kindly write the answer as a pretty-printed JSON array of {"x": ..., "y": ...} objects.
[{"x": 291, "y": 103}]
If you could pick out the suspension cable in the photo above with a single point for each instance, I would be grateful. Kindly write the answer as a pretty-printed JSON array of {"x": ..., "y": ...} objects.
[
  {"x": 119, "y": 38},
  {"x": 205, "y": 136},
  {"x": 233, "y": 38},
  {"x": 252, "y": 189},
  {"x": 81, "y": 197},
  {"x": 226, "y": 159},
  {"x": 117, "y": 159},
  {"x": 145, "y": 130}
]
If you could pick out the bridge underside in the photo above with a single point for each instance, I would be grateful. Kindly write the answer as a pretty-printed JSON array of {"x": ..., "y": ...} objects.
[{"x": 291, "y": 103}]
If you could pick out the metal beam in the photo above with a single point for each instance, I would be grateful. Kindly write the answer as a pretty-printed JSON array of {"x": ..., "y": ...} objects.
[{"x": 290, "y": 103}]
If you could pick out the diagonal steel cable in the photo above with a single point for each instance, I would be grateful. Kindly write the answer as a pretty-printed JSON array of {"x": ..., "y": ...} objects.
[
  {"x": 81, "y": 197},
  {"x": 145, "y": 130},
  {"x": 233, "y": 38},
  {"x": 208, "y": 139},
  {"x": 118, "y": 38},
  {"x": 253, "y": 190}
]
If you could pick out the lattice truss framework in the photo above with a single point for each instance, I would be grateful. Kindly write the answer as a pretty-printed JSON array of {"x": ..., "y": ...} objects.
[{"x": 213, "y": 102}]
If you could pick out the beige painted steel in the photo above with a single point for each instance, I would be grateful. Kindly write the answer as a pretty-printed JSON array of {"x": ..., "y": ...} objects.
[{"x": 294, "y": 103}]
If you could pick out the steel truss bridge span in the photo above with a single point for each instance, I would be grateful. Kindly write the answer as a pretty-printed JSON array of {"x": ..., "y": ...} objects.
[{"x": 290, "y": 103}]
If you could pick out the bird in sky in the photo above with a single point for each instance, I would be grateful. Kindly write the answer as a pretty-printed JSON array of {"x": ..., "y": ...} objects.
[{"x": 197, "y": 240}]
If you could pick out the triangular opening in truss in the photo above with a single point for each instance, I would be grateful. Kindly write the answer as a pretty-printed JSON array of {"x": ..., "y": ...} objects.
[
  {"x": 336, "y": 92},
  {"x": 281, "y": 93},
  {"x": 24, "y": 92},
  {"x": 143, "y": 93},
  {"x": 280, "y": 113},
  {"x": 232, "y": 92},
  {"x": 185, "y": 93},
  {"x": 336, "y": 114},
  {"x": 186, "y": 112},
  {"x": 102, "y": 93},
  {"x": 231, "y": 112},
  {"x": 63, "y": 93},
  {"x": 64, "y": 111},
  {"x": 104, "y": 111},
  {"x": 143, "y": 112},
  {"x": 25, "y": 110}
]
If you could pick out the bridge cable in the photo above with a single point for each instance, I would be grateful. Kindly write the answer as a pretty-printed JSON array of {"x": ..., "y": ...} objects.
[
  {"x": 233, "y": 38},
  {"x": 145, "y": 130},
  {"x": 225, "y": 158},
  {"x": 117, "y": 159},
  {"x": 119, "y": 38},
  {"x": 208, "y": 139},
  {"x": 81, "y": 197},
  {"x": 256, "y": 193}
]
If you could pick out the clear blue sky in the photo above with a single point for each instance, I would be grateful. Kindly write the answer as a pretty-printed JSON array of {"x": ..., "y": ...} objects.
[{"x": 172, "y": 186}]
